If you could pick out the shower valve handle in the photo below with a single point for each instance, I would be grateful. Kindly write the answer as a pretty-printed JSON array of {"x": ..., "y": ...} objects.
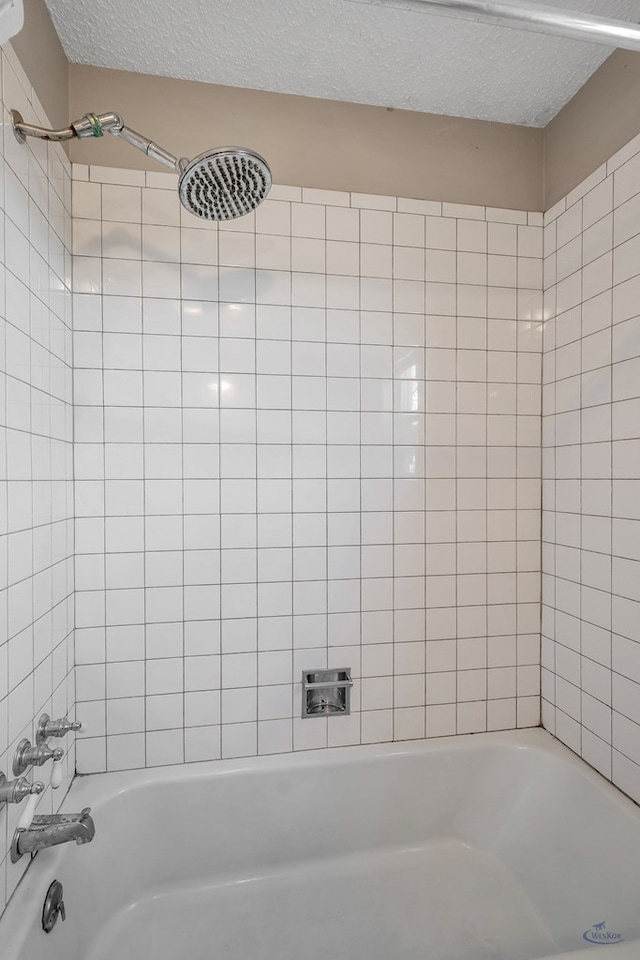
[
  {"x": 34, "y": 756},
  {"x": 55, "y": 728},
  {"x": 14, "y": 791}
]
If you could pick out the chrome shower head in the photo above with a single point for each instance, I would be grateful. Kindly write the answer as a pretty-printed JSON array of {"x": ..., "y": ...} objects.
[
  {"x": 220, "y": 184},
  {"x": 224, "y": 183}
]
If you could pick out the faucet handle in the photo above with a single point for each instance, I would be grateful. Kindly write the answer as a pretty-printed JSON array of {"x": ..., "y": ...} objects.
[
  {"x": 14, "y": 791},
  {"x": 27, "y": 756},
  {"x": 56, "y": 773},
  {"x": 27, "y": 814},
  {"x": 55, "y": 728},
  {"x": 35, "y": 789}
]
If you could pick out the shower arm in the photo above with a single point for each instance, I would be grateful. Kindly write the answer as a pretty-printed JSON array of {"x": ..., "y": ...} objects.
[
  {"x": 96, "y": 125},
  {"x": 535, "y": 17}
]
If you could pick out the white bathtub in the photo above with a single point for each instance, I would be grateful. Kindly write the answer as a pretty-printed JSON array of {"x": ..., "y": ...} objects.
[{"x": 491, "y": 846}]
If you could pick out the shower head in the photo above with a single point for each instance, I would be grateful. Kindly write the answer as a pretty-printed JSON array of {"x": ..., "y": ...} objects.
[
  {"x": 220, "y": 184},
  {"x": 224, "y": 183}
]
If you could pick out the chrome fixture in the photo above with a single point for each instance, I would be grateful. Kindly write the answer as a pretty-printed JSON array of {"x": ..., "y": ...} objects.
[
  {"x": 535, "y": 17},
  {"x": 53, "y": 907},
  {"x": 27, "y": 756},
  {"x": 49, "y": 831},
  {"x": 326, "y": 693},
  {"x": 224, "y": 184},
  {"x": 220, "y": 184},
  {"x": 14, "y": 791},
  {"x": 55, "y": 728}
]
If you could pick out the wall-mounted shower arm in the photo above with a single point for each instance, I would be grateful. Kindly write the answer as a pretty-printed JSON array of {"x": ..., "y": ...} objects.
[
  {"x": 220, "y": 184},
  {"x": 538, "y": 18},
  {"x": 152, "y": 150},
  {"x": 96, "y": 125},
  {"x": 23, "y": 130}
]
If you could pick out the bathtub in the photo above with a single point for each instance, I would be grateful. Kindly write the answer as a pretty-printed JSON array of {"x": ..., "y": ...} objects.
[{"x": 488, "y": 846}]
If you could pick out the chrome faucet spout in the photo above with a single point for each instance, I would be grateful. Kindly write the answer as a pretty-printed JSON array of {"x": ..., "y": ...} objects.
[{"x": 50, "y": 831}]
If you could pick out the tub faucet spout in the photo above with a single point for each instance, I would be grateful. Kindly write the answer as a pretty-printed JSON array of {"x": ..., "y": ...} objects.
[{"x": 50, "y": 831}]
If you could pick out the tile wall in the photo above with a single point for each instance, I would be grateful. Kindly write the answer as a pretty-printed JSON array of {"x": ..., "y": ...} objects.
[
  {"x": 36, "y": 474},
  {"x": 310, "y": 437},
  {"x": 591, "y": 528}
]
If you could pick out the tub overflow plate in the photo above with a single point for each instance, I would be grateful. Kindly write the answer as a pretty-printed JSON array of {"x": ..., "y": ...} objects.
[{"x": 53, "y": 907}]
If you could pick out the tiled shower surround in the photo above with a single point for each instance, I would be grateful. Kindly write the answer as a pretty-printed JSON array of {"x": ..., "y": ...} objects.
[
  {"x": 36, "y": 485},
  {"x": 308, "y": 437},
  {"x": 591, "y": 549}
]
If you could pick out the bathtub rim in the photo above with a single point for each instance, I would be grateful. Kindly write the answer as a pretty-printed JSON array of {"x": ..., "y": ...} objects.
[{"x": 534, "y": 740}]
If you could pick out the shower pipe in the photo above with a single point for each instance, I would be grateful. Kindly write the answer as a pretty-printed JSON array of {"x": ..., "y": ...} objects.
[
  {"x": 534, "y": 17},
  {"x": 220, "y": 184},
  {"x": 95, "y": 125}
]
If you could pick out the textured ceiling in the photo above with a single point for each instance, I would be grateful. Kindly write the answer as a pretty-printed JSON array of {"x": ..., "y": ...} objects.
[{"x": 341, "y": 50}]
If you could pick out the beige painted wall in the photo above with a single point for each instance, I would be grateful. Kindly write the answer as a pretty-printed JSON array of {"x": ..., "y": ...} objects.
[
  {"x": 318, "y": 143},
  {"x": 344, "y": 146},
  {"x": 44, "y": 61},
  {"x": 601, "y": 118}
]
